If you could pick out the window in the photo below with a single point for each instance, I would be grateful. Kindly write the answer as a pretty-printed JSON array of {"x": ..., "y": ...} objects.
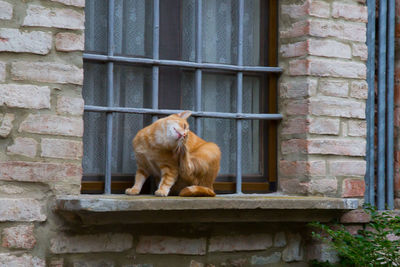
[{"x": 150, "y": 58}]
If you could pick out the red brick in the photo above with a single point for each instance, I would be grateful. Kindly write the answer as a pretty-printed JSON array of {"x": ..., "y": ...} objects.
[
  {"x": 25, "y": 96},
  {"x": 77, "y": 3},
  {"x": 319, "y": 9},
  {"x": 298, "y": 88},
  {"x": 324, "y": 48},
  {"x": 324, "y": 187},
  {"x": 297, "y": 107},
  {"x": 20, "y": 236},
  {"x": 309, "y": 7},
  {"x": 14, "y": 40},
  {"x": 337, "y": 107},
  {"x": 359, "y": 89},
  {"x": 6, "y": 10},
  {"x": 295, "y": 49},
  {"x": 342, "y": 30},
  {"x": 353, "y": 188},
  {"x": 357, "y": 128},
  {"x": 335, "y": 87},
  {"x": 52, "y": 124},
  {"x": 324, "y": 126},
  {"x": 66, "y": 42},
  {"x": 48, "y": 72},
  {"x": 112, "y": 242},
  {"x": 56, "y": 262},
  {"x": 360, "y": 50},
  {"x": 65, "y": 18},
  {"x": 20, "y": 210},
  {"x": 294, "y": 146},
  {"x": 355, "y": 216},
  {"x": 293, "y": 186},
  {"x": 23, "y": 146},
  {"x": 343, "y": 147},
  {"x": 2, "y": 71},
  {"x": 24, "y": 260},
  {"x": 70, "y": 105},
  {"x": 38, "y": 171},
  {"x": 327, "y": 68},
  {"x": 240, "y": 243},
  {"x": 349, "y": 12},
  {"x": 61, "y": 148},
  {"x": 348, "y": 168},
  {"x": 171, "y": 245},
  {"x": 328, "y": 48},
  {"x": 294, "y": 126},
  {"x": 397, "y": 116},
  {"x": 302, "y": 168},
  {"x": 6, "y": 124},
  {"x": 297, "y": 29}
]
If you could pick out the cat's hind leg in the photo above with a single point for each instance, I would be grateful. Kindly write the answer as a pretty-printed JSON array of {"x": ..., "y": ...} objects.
[
  {"x": 140, "y": 178},
  {"x": 168, "y": 179}
]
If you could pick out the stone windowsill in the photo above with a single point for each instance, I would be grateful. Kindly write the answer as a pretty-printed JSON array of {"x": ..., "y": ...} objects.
[{"x": 108, "y": 209}]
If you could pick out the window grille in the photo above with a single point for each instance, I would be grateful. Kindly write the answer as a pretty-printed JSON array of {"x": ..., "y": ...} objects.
[{"x": 154, "y": 62}]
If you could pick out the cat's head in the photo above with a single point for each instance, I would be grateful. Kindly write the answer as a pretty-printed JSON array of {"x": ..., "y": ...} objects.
[{"x": 176, "y": 128}]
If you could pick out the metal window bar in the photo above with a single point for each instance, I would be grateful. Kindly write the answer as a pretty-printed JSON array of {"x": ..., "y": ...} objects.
[
  {"x": 390, "y": 106},
  {"x": 110, "y": 98},
  {"x": 370, "y": 174},
  {"x": 199, "y": 59},
  {"x": 155, "y": 62},
  {"x": 156, "y": 70},
  {"x": 385, "y": 177},
  {"x": 239, "y": 102}
]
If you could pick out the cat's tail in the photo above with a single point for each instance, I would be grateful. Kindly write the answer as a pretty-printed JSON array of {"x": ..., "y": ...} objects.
[{"x": 197, "y": 191}]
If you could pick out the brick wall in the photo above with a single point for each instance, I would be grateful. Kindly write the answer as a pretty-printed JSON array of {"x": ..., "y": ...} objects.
[
  {"x": 322, "y": 141},
  {"x": 41, "y": 126},
  {"x": 322, "y": 97}
]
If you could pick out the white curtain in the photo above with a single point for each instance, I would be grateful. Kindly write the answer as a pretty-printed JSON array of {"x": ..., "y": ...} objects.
[{"x": 132, "y": 85}]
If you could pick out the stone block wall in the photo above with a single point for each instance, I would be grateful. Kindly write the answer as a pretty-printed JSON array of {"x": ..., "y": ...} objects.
[{"x": 323, "y": 94}]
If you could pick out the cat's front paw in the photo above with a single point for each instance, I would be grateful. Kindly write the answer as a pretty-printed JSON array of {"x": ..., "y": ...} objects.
[
  {"x": 132, "y": 191},
  {"x": 161, "y": 193}
]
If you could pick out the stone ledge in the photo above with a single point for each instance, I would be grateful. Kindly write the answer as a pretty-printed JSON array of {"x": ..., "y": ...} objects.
[{"x": 110, "y": 209}]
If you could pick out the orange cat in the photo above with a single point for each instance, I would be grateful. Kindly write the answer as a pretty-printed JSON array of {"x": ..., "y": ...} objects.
[{"x": 168, "y": 150}]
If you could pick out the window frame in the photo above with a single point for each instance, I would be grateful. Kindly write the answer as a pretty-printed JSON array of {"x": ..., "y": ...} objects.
[{"x": 269, "y": 58}]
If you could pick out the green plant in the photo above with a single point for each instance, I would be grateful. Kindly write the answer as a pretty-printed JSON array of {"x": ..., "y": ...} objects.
[{"x": 377, "y": 244}]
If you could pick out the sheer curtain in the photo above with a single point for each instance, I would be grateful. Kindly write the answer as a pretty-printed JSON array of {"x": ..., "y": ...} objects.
[{"x": 132, "y": 84}]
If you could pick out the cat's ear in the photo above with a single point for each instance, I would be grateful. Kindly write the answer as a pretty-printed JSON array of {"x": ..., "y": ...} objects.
[{"x": 185, "y": 114}]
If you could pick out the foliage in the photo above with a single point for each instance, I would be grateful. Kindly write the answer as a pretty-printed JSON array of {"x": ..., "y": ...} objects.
[{"x": 377, "y": 244}]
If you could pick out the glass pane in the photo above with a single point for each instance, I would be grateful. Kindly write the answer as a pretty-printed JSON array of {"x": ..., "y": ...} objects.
[
  {"x": 96, "y": 26},
  {"x": 219, "y": 94},
  {"x": 251, "y": 33},
  {"x": 189, "y": 30},
  {"x": 220, "y": 24},
  {"x": 251, "y": 128},
  {"x": 94, "y": 146},
  {"x": 223, "y": 133},
  {"x": 125, "y": 127},
  {"x": 132, "y": 86},
  {"x": 95, "y": 84},
  {"x": 133, "y": 28}
]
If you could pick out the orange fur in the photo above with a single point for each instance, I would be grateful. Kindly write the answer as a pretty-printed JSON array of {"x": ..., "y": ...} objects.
[{"x": 183, "y": 162}]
